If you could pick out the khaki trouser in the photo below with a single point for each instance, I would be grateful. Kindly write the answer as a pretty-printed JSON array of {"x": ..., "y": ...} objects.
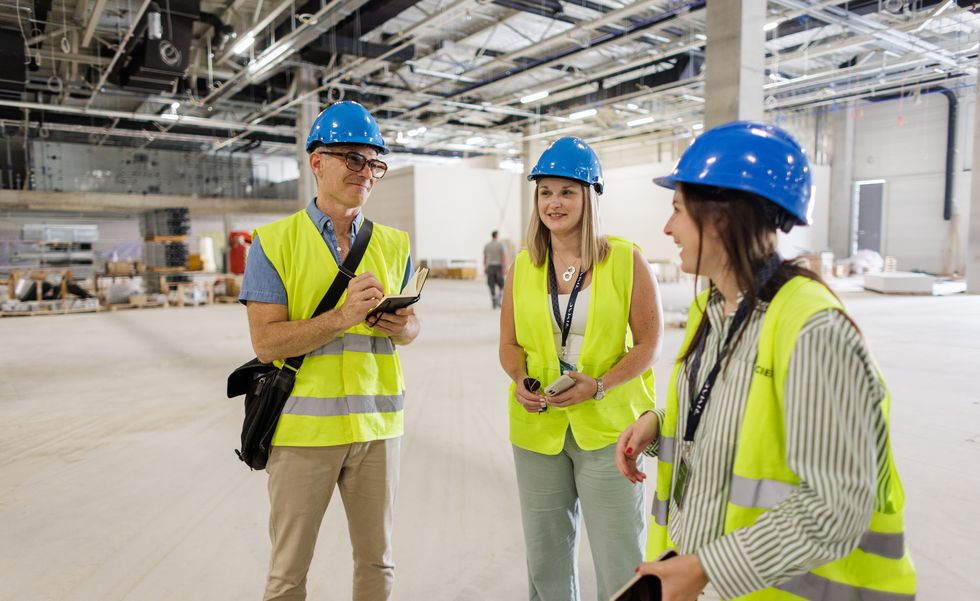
[{"x": 301, "y": 482}]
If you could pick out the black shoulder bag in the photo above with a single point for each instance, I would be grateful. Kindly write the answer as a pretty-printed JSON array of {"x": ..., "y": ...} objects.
[{"x": 266, "y": 387}]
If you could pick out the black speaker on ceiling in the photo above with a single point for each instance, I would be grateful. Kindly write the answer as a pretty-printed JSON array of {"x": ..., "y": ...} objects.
[
  {"x": 154, "y": 64},
  {"x": 13, "y": 67}
]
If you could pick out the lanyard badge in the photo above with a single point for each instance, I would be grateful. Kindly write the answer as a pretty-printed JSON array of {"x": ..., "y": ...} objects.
[{"x": 566, "y": 323}]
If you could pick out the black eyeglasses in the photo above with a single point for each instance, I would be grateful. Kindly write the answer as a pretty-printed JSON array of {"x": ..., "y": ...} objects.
[{"x": 355, "y": 162}]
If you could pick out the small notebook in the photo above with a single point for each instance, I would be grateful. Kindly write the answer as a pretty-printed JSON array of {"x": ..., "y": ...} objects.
[{"x": 410, "y": 294}]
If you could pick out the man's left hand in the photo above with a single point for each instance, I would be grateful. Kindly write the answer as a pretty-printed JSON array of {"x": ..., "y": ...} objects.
[
  {"x": 393, "y": 324},
  {"x": 584, "y": 389},
  {"x": 682, "y": 578}
]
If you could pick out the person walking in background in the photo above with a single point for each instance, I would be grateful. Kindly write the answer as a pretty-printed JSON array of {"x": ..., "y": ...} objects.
[
  {"x": 494, "y": 263},
  {"x": 775, "y": 477},
  {"x": 585, "y": 305},
  {"x": 342, "y": 424}
]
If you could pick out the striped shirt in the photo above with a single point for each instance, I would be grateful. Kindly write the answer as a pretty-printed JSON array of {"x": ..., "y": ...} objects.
[{"x": 836, "y": 439}]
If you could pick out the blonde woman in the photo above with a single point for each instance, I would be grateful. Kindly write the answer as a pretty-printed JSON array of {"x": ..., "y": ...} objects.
[{"x": 584, "y": 305}]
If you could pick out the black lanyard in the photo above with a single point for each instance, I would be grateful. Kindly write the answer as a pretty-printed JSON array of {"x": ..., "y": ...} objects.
[
  {"x": 700, "y": 401},
  {"x": 566, "y": 325}
]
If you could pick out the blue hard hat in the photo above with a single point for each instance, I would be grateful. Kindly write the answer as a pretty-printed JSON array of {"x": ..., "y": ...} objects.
[
  {"x": 751, "y": 157},
  {"x": 570, "y": 158},
  {"x": 346, "y": 122}
]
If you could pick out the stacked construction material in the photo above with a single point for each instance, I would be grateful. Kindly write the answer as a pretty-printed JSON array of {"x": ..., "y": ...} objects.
[
  {"x": 165, "y": 251},
  {"x": 166, "y": 223},
  {"x": 165, "y": 255}
]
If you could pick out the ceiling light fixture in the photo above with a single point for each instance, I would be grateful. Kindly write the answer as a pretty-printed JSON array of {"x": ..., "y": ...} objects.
[
  {"x": 770, "y": 26},
  {"x": 441, "y": 75},
  {"x": 535, "y": 96},
  {"x": 643, "y": 121},
  {"x": 243, "y": 44},
  {"x": 583, "y": 114}
]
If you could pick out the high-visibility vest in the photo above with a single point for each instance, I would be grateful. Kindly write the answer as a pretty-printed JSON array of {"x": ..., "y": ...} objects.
[
  {"x": 880, "y": 568},
  {"x": 350, "y": 389},
  {"x": 595, "y": 424}
]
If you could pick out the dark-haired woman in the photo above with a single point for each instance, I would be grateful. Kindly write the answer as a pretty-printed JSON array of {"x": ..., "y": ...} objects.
[{"x": 775, "y": 477}]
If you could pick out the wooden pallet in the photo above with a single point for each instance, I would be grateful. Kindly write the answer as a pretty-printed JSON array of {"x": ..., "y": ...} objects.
[
  {"x": 50, "y": 312},
  {"x": 165, "y": 238},
  {"x": 125, "y": 306},
  {"x": 165, "y": 269}
]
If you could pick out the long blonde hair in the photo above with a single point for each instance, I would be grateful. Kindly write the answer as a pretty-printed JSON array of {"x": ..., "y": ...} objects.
[{"x": 595, "y": 246}]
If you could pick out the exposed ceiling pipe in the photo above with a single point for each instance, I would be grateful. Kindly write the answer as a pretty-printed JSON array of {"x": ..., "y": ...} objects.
[
  {"x": 552, "y": 59},
  {"x": 119, "y": 52},
  {"x": 904, "y": 41},
  {"x": 402, "y": 40},
  {"x": 93, "y": 21},
  {"x": 274, "y": 55},
  {"x": 951, "y": 120},
  {"x": 152, "y": 118},
  {"x": 256, "y": 29},
  {"x": 509, "y": 59}
]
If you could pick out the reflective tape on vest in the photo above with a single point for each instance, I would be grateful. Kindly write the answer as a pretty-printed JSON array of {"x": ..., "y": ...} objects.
[
  {"x": 345, "y": 405},
  {"x": 766, "y": 494},
  {"x": 817, "y": 588},
  {"x": 666, "y": 452},
  {"x": 356, "y": 343},
  {"x": 890, "y": 545},
  {"x": 660, "y": 510}
]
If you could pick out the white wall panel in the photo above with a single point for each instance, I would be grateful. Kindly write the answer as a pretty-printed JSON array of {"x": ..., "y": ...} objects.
[
  {"x": 392, "y": 203},
  {"x": 635, "y": 208},
  {"x": 456, "y": 208},
  {"x": 904, "y": 143}
]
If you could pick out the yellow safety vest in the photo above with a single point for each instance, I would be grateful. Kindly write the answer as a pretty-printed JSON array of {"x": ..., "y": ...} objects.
[
  {"x": 880, "y": 568},
  {"x": 350, "y": 389},
  {"x": 595, "y": 424}
]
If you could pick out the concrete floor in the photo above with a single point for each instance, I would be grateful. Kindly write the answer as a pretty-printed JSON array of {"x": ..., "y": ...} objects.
[{"x": 118, "y": 480}]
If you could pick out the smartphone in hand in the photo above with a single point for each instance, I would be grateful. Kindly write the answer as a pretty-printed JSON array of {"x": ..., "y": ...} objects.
[
  {"x": 642, "y": 587},
  {"x": 563, "y": 383}
]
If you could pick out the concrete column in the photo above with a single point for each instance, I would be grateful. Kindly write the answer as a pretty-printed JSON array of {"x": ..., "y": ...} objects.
[
  {"x": 531, "y": 151},
  {"x": 842, "y": 181},
  {"x": 734, "y": 61},
  {"x": 973, "y": 227},
  {"x": 306, "y": 113}
]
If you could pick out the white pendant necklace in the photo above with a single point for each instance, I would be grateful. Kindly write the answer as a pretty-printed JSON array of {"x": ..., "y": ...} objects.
[{"x": 569, "y": 273}]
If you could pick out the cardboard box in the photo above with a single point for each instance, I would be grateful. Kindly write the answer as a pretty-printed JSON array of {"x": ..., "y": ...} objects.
[
  {"x": 233, "y": 286},
  {"x": 118, "y": 268}
]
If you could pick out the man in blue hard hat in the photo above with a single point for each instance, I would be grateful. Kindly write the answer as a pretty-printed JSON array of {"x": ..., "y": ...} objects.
[{"x": 342, "y": 423}]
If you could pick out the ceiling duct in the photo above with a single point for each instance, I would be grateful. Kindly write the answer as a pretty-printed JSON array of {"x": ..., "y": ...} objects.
[{"x": 154, "y": 63}]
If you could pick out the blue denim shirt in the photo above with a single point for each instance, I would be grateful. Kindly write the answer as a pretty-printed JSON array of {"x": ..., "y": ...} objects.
[{"x": 262, "y": 282}]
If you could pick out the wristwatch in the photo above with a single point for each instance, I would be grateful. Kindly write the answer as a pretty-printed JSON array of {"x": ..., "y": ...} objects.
[{"x": 600, "y": 390}]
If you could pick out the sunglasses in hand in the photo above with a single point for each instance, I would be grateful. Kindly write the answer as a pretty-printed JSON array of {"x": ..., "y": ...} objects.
[{"x": 533, "y": 385}]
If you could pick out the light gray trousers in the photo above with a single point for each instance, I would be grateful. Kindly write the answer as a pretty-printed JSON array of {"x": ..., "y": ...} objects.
[{"x": 553, "y": 489}]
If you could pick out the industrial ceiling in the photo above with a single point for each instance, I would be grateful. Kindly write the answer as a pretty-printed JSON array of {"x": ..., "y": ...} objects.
[{"x": 446, "y": 77}]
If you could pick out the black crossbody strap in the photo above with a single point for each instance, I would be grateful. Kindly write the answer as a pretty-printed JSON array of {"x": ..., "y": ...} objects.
[{"x": 340, "y": 282}]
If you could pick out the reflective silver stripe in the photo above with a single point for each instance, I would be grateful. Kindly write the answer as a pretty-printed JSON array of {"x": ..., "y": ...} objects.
[
  {"x": 766, "y": 494},
  {"x": 818, "y": 588},
  {"x": 356, "y": 343},
  {"x": 666, "y": 452},
  {"x": 323, "y": 407},
  {"x": 659, "y": 510},
  {"x": 891, "y": 546}
]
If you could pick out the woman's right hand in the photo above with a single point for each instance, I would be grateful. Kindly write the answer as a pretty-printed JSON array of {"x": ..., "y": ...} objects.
[
  {"x": 636, "y": 437},
  {"x": 531, "y": 402}
]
